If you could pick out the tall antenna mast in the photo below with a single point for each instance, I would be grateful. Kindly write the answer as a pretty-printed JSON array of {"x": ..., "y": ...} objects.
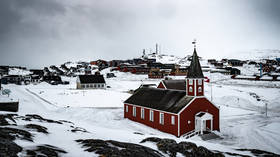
[{"x": 156, "y": 48}]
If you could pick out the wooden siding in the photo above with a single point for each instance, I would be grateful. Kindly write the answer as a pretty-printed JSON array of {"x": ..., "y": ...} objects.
[
  {"x": 198, "y": 105},
  {"x": 166, "y": 127}
]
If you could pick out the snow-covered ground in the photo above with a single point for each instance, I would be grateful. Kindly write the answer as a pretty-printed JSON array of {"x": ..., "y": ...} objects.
[{"x": 242, "y": 103}]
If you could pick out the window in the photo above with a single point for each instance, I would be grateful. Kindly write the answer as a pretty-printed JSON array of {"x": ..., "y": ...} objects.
[
  {"x": 126, "y": 108},
  {"x": 142, "y": 113},
  {"x": 134, "y": 112},
  {"x": 91, "y": 85},
  {"x": 190, "y": 89},
  {"x": 172, "y": 120},
  {"x": 199, "y": 89},
  {"x": 98, "y": 86},
  {"x": 102, "y": 85},
  {"x": 161, "y": 118},
  {"x": 190, "y": 82},
  {"x": 151, "y": 116},
  {"x": 95, "y": 86},
  {"x": 83, "y": 86},
  {"x": 200, "y": 82}
]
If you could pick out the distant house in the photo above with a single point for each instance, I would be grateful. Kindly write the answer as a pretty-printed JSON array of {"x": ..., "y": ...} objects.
[
  {"x": 52, "y": 79},
  {"x": 91, "y": 82},
  {"x": 38, "y": 72},
  {"x": 16, "y": 79},
  {"x": 35, "y": 79},
  {"x": 235, "y": 62},
  {"x": 156, "y": 73},
  {"x": 178, "y": 112},
  {"x": 211, "y": 61},
  {"x": 179, "y": 71}
]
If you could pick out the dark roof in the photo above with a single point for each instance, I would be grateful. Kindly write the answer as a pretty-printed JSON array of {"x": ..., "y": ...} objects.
[
  {"x": 13, "y": 76},
  {"x": 91, "y": 79},
  {"x": 200, "y": 114},
  {"x": 160, "y": 99},
  {"x": 195, "y": 68},
  {"x": 175, "y": 84}
]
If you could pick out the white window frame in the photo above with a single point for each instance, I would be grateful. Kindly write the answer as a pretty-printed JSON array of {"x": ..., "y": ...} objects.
[
  {"x": 151, "y": 115},
  {"x": 199, "y": 81},
  {"x": 134, "y": 111},
  {"x": 142, "y": 113},
  {"x": 190, "y": 82},
  {"x": 126, "y": 108},
  {"x": 161, "y": 118},
  {"x": 173, "y": 120},
  {"x": 190, "y": 89},
  {"x": 199, "y": 89}
]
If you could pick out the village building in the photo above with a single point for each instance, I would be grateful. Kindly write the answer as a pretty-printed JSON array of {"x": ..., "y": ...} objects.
[
  {"x": 235, "y": 62},
  {"x": 91, "y": 82},
  {"x": 14, "y": 79},
  {"x": 176, "y": 112},
  {"x": 179, "y": 71},
  {"x": 156, "y": 73}
]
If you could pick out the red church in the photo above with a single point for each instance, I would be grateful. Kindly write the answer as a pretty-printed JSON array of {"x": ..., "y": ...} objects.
[{"x": 178, "y": 112}]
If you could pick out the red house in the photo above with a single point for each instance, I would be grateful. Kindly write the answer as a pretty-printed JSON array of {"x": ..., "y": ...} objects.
[{"x": 177, "y": 112}]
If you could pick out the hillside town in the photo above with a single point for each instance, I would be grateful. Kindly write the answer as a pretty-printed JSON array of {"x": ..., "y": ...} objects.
[{"x": 154, "y": 65}]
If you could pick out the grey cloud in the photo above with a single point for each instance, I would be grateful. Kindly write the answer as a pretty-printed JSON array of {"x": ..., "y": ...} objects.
[{"x": 42, "y": 32}]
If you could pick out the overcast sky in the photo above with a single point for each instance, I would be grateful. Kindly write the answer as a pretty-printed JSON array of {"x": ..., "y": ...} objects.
[{"x": 37, "y": 33}]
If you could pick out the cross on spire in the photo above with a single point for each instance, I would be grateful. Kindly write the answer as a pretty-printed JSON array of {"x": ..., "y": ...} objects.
[{"x": 194, "y": 43}]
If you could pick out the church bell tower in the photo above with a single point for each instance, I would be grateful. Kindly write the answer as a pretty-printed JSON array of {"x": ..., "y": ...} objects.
[{"x": 195, "y": 78}]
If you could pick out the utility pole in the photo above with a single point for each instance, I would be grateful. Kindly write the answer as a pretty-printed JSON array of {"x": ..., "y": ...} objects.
[{"x": 211, "y": 87}]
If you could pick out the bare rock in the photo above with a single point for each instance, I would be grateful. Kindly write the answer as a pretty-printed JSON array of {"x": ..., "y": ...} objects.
[
  {"x": 28, "y": 117},
  {"x": 112, "y": 148},
  {"x": 9, "y": 148},
  {"x": 5, "y": 117},
  {"x": 45, "y": 151},
  {"x": 13, "y": 133},
  {"x": 38, "y": 128}
]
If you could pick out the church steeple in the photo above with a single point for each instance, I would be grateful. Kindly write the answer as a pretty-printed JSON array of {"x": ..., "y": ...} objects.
[
  {"x": 195, "y": 78},
  {"x": 195, "y": 68}
]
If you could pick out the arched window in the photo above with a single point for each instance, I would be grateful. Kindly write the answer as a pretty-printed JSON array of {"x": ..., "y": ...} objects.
[
  {"x": 199, "y": 89},
  {"x": 190, "y": 89}
]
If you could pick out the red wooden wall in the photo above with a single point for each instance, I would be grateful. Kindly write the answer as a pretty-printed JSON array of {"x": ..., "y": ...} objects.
[
  {"x": 166, "y": 127},
  {"x": 161, "y": 85},
  {"x": 198, "y": 105}
]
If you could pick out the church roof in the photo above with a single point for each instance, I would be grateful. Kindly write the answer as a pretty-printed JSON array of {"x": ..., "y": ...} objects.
[
  {"x": 195, "y": 70},
  {"x": 160, "y": 99},
  {"x": 175, "y": 84}
]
